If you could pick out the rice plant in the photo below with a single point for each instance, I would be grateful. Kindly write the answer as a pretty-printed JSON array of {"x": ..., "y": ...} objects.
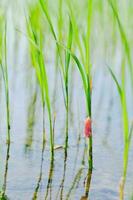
[
  {"x": 36, "y": 47},
  {"x": 64, "y": 69},
  {"x": 84, "y": 65},
  {"x": 85, "y": 70},
  {"x": 123, "y": 36},
  {"x": 127, "y": 128},
  {"x": 4, "y": 69}
]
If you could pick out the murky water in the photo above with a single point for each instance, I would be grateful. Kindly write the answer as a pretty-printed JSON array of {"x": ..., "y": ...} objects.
[{"x": 26, "y": 170}]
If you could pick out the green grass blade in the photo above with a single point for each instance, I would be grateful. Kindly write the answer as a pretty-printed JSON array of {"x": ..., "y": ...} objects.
[
  {"x": 89, "y": 19},
  {"x": 45, "y": 10},
  {"x": 69, "y": 45},
  {"x": 116, "y": 82},
  {"x": 123, "y": 38},
  {"x": 82, "y": 73}
]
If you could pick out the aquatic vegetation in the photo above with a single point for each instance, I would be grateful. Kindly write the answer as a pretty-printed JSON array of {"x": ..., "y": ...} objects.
[
  {"x": 36, "y": 46},
  {"x": 62, "y": 98},
  {"x": 127, "y": 131},
  {"x": 85, "y": 66},
  {"x": 4, "y": 69},
  {"x": 64, "y": 70},
  {"x": 127, "y": 128},
  {"x": 124, "y": 38}
]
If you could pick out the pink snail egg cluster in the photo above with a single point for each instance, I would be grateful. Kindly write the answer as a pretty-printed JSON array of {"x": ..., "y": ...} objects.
[{"x": 87, "y": 127}]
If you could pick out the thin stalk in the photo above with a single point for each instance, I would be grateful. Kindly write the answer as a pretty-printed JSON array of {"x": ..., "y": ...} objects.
[
  {"x": 6, "y": 84},
  {"x": 87, "y": 185},
  {"x": 35, "y": 195},
  {"x": 127, "y": 132},
  {"x": 50, "y": 177},
  {"x": 6, "y": 172},
  {"x": 67, "y": 64}
]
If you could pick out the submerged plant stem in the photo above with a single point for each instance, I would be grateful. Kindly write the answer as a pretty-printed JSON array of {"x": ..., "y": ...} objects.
[{"x": 90, "y": 151}]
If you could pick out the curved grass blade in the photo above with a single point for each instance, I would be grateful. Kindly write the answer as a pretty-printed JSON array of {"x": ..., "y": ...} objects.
[
  {"x": 116, "y": 82},
  {"x": 123, "y": 39}
]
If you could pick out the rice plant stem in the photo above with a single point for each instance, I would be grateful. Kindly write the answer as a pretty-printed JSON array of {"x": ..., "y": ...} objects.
[{"x": 5, "y": 78}]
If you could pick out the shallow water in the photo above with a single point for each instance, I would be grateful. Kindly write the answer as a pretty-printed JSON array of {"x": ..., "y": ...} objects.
[{"x": 29, "y": 171}]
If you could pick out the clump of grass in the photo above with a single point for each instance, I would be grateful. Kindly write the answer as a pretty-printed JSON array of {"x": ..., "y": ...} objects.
[
  {"x": 85, "y": 70},
  {"x": 84, "y": 65},
  {"x": 127, "y": 130},
  {"x": 36, "y": 47},
  {"x": 64, "y": 69},
  {"x": 4, "y": 69},
  {"x": 124, "y": 39}
]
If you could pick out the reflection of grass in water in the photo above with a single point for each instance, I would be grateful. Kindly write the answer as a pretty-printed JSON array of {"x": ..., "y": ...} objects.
[
  {"x": 41, "y": 168},
  {"x": 61, "y": 186},
  {"x": 35, "y": 195},
  {"x": 49, "y": 184},
  {"x": 77, "y": 177},
  {"x": 75, "y": 182},
  {"x": 31, "y": 119},
  {"x": 87, "y": 185},
  {"x": 3, "y": 193}
]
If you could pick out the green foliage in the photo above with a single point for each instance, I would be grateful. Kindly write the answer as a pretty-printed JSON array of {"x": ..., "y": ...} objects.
[
  {"x": 121, "y": 89},
  {"x": 124, "y": 38},
  {"x": 36, "y": 48},
  {"x": 4, "y": 69}
]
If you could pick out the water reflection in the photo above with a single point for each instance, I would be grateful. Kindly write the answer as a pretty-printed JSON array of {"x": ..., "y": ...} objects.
[
  {"x": 31, "y": 119},
  {"x": 87, "y": 185},
  {"x": 35, "y": 195},
  {"x": 48, "y": 194},
  {"x": 75, "y": 182},
  {"x": 61, "y": 186},
  {"x": 4, "y": 187}
]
